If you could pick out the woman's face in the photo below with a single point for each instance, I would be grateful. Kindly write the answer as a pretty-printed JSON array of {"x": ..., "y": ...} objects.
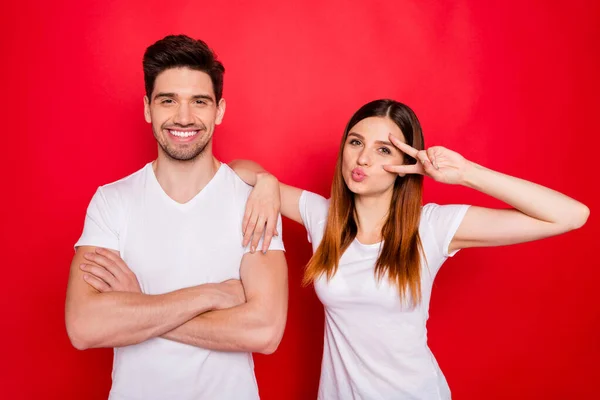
[{"x": 366, "y": 150}]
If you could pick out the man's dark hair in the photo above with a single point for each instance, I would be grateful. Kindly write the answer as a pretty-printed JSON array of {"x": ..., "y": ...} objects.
[{"x": 179, "y": 51}]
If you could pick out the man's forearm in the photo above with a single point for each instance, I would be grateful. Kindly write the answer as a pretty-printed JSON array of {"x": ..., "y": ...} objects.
[
  {"x": 116, "y": 319},
  {"x": 254, "y": 326},
  {"x": 243, "y": 328}
]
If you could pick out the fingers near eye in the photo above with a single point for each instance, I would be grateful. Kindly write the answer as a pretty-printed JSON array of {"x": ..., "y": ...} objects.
[
  {"x": 422, "y": 156},
  {"x": 403, "y": 169},
  {"x": 405, "y": 148},
  {"x": 432, "y": 157}
]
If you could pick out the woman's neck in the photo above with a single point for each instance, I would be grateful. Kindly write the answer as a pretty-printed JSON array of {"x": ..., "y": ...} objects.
[{"x": 371, "y": 215}]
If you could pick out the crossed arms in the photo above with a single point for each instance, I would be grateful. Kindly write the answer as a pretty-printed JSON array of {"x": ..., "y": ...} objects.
[{"x": 105, "y": 306}]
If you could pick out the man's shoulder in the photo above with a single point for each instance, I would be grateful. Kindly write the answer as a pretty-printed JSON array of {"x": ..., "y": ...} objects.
[
  {"x": 125, "y": 188},
  {"x": 240, "y": 188}
]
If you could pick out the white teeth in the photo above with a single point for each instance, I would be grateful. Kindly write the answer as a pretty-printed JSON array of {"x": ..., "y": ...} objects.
[{"x": 183, "y": 134}]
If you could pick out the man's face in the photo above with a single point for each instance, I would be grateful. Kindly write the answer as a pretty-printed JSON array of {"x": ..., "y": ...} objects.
[{"x": 183, "y": 112}]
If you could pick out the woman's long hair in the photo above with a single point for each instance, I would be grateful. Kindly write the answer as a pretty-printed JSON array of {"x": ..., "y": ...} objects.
[{"x": 399, "y": 258}]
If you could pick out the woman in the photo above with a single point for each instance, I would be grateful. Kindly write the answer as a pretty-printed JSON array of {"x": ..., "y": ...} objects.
[{"x": 377, "y": 249}]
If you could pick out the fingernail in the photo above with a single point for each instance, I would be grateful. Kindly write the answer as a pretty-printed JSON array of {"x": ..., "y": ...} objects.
[{"x": 252, "y": 249}]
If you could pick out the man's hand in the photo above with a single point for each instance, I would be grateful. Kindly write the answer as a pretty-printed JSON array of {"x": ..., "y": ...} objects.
[{"x": 107, "y": 272}]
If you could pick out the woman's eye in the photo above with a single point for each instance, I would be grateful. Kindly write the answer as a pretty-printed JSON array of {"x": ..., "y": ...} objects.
[
  {"x": 385, "y": 150},
  {"x": 354, "y": 142}
]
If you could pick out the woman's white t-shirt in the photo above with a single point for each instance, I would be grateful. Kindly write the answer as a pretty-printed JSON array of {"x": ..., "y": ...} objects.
[{"x": 376, "y": 345}]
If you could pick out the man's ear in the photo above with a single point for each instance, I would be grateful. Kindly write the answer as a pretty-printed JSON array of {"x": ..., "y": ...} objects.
[
  {"x": 147, "y": 115},
  {"x": 220, "y": 111}
]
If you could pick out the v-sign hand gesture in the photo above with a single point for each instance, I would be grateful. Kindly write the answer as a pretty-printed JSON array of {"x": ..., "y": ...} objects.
[{"x": 439, "y": 163}]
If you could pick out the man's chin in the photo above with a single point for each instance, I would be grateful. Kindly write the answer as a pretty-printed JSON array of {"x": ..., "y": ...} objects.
[{"x": 182, "y": 156}]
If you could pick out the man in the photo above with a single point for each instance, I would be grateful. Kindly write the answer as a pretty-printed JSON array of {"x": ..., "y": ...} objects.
[{"x": 160, "y": 272}]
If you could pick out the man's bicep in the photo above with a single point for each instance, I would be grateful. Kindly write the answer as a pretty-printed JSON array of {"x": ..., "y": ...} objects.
[
  {"x": 77, "y": 286},
  {"x": 265, "y": 281},
  {"x": 78, "y": 291}
]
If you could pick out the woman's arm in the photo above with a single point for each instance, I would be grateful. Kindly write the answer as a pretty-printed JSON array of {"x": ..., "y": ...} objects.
[
  {"x": 539, "y": 212},
  {"x": 266, "y": 200}
]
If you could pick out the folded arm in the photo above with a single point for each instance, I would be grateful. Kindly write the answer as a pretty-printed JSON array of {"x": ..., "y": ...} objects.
[
  {"x": 120, "y": 318},
  {"x": 254, "y": 326}
]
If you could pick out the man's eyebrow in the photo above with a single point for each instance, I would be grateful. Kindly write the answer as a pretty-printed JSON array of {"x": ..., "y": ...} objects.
[
  {"x": 174, "y": 95},
  {"x": 203, "y": 97},
  {"x": 164, "y": 94}
]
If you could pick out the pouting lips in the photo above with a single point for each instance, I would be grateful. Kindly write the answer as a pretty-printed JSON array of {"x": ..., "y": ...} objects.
[{"x": 358, "y": 175}]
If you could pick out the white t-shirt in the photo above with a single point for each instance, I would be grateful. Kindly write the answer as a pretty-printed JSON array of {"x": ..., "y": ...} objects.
[
  {"x": 170, "y": 246},
  {"x": 376, "y": 346}
]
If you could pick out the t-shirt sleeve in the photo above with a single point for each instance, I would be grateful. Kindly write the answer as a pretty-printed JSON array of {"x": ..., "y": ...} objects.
[
  {"x": 444, "y": 222},
  {"x": 276, "y": 241},
  {"x": 101, "y": 226},
  {"x": 313, "y": 211},
  {"x": 243, "y": 191}
]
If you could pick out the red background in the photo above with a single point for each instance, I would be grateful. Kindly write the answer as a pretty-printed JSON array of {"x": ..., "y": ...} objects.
[{"x": 512, "y": 85}]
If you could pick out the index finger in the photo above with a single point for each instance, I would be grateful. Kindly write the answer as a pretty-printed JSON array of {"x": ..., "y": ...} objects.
[
  {"x": 403, "y": 147},
  {"x": 114, "y": 256}
]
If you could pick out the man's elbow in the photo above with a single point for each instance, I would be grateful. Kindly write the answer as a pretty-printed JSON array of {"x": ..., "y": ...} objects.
[
  {"x": 80, "y": 333},
  {"x": 270, "y": 338},
  {"x": 270, "y": 345},
  {"x": 78, "y": 337},
  {"x": 79, "y": 344}
]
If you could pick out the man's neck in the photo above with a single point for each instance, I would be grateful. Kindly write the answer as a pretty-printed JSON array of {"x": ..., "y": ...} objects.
[{"x": 183, "y": 180}]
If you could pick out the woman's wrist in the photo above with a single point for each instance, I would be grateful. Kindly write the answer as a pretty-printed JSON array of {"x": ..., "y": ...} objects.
[
  {"x": 265, "y": 176},
  {"x": 473, "y": 175}
]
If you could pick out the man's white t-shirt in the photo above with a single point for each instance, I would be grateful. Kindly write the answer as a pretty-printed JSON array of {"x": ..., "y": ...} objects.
[
  {"x": 170, "y": 246},
  {"x": 375, "y": 345}
]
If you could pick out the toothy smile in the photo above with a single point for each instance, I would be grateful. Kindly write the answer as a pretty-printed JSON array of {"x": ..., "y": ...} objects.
[{"x": 183, "y": 134}]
